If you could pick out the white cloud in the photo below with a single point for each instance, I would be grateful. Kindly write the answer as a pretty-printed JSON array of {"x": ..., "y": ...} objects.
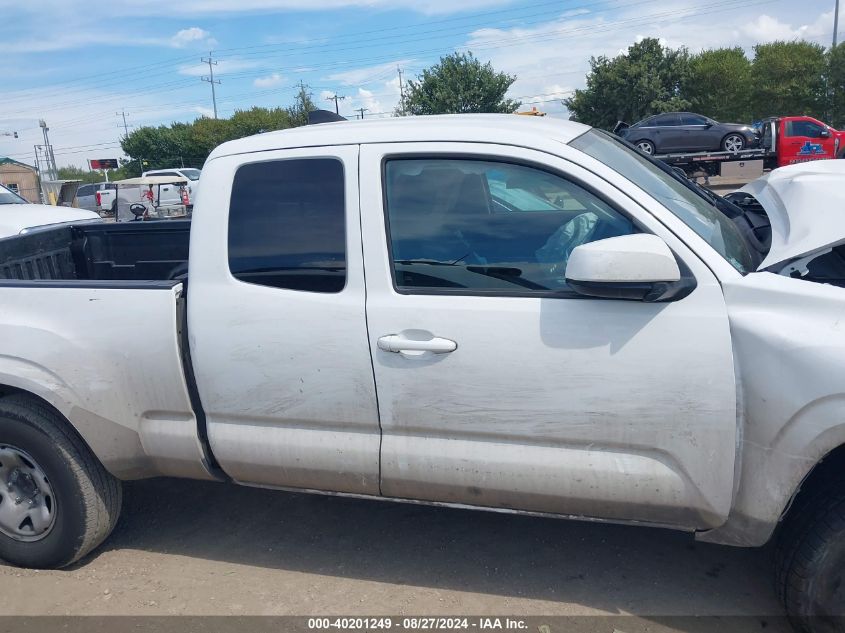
[
  {"x": 269, "y": 81},
  {"x": 192, "y": 36},
  {"x": 203, "y": 111},
  {"x": 768, "y": 29},
  {"x": 81, "y": 129},
  {"x": 552, "y": 59}
]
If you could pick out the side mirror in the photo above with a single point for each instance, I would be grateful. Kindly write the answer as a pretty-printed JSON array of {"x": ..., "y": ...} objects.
[
  {"x": 825, "y": 134},
  {"x": 637, "y": 267}
]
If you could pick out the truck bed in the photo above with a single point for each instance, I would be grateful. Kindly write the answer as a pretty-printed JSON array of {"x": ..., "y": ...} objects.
[{"x": 141, "y": 251}]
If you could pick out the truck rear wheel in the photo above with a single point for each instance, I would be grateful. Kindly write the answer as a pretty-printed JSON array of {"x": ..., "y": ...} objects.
[
  {"x": 57, "y": 502},
  {"x": 810, "y": 560}
]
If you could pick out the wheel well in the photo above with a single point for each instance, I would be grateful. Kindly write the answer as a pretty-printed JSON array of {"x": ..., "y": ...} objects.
[
  {"x": 830, "y": 468},
  {"x": 6, "y": 390}
]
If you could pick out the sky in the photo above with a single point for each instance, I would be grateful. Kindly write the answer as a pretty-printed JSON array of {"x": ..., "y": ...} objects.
[{"x": 79, "y": 66}]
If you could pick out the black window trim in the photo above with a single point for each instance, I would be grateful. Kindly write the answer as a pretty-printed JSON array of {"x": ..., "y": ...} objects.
[
  {"x": 346, "y": 224},
  {"x": 469, "y": 292}
]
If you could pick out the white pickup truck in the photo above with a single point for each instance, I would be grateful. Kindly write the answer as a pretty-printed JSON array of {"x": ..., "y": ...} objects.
[{"x": 483, "y": 311}]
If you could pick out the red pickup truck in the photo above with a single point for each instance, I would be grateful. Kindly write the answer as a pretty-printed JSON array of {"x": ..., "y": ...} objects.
[{"x": 798, "y": 139}]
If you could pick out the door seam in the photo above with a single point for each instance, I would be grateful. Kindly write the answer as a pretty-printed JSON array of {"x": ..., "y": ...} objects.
[{"x": 367, "y": 322}]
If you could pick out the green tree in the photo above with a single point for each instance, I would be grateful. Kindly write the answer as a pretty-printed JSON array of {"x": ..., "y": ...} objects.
[
  {"x": 298, "y": 112},
  {"x": 459, "y": 83},
  {"x": 84, "y": 175},
  {"x": 257, "y": 120},
  {"x": 789, "y": 78},
  {"x": 645, "y": 80},
  {"x": 719, "y": 84},
  {"x": 836, "y": 85}
]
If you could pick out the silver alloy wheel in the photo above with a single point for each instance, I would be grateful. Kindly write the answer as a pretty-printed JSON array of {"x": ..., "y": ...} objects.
[
  {"x": 645, "y": 147},
  {"x": 27, "y": 503},
  {"x": 734, "y": 143}
]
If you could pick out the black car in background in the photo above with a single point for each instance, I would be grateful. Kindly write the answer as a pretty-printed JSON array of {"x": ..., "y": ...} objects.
[{"x": 687, "y": 132}]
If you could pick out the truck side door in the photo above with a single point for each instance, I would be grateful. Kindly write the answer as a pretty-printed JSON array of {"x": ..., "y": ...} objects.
[
  {"x": 805, "y": 139},
  {"x": 276, "y": 321},
  {"x": 497, "y": 385}
]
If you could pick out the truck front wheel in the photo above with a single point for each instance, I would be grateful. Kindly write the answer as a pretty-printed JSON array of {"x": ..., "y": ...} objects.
[
  {"x": 810, "y": 560},
  {"x": 57, "y": 502}
]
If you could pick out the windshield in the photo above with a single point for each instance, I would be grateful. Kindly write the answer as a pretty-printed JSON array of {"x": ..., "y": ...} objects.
[
  {"x": 10, "y": 197},
  {"x": 694, "y": 209},
  {"x": 192, "y": 174}
]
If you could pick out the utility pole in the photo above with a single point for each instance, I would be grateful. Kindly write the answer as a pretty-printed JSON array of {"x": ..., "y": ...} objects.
[
  {"x": 401, "y": 92},
  {"x": 362, "y": 110},
  {"x": 52, "y": 170},
  {"x": 835, "y": 22},
  {"x": 125, "y": 125},
  {"x": 335, "y": 97},
  {"x": 210, "y": 79}
]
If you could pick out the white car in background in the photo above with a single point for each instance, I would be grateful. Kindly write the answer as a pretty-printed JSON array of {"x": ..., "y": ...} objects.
[
  {"x": 18, "y": 216},
  {"x": 170, "y": 195}
]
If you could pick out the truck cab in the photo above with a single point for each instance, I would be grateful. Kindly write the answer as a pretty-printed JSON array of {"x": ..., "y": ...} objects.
[
  {"x": 799, "y": 139},
  {"x": 510, "y": 313}
]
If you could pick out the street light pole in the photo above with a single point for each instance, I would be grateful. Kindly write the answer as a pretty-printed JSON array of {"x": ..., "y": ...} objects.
[{"x": 835, "y": 22}]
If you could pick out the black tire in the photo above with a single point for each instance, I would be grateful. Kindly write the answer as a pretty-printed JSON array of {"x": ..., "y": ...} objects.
[
  {"x": 810, "y": 560},
  {"x": 87, "y": 497},
  {"x": 738, "y": 147}
]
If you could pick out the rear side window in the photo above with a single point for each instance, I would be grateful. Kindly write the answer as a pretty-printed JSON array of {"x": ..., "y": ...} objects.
[
  {"x": 287, "y": 225},
  {"x": 85, "y": 190},
  {"x": 666, "y": 119}
]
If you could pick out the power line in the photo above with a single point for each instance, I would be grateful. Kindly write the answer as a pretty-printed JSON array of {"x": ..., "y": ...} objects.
[
  {"x": 210, "y": 79},
  {"x": 362, "y": 110},
  {"x": 499, "y": 43}
]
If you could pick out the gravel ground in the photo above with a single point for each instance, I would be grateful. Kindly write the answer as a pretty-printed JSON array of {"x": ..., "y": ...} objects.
[{"x": 196, "y": 548}]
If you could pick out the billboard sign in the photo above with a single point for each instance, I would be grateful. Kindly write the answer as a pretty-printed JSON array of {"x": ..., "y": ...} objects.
[{"x": 103, "y": 163}]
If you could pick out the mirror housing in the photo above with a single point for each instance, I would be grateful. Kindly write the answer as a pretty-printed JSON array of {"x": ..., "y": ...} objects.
[
  {"x": 638, "y": 267},
  {"x": 825, "y": 134}
]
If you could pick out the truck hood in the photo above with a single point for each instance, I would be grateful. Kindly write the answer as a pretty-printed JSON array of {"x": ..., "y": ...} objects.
[
  {"x": 15, "y": 218},
  {"x": 806, "y": 206}
]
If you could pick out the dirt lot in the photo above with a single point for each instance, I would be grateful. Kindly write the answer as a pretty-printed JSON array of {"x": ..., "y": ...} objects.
[{"x": 203, "y": 548}]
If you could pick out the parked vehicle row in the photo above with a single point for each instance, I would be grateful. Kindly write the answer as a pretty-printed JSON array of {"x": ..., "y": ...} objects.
[
  {"x": 550, "y": 322},
  {"x": 97, "y": 196}
]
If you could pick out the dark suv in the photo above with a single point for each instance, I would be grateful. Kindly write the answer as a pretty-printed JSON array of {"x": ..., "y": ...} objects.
[{"x": 687, "y": 132}]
